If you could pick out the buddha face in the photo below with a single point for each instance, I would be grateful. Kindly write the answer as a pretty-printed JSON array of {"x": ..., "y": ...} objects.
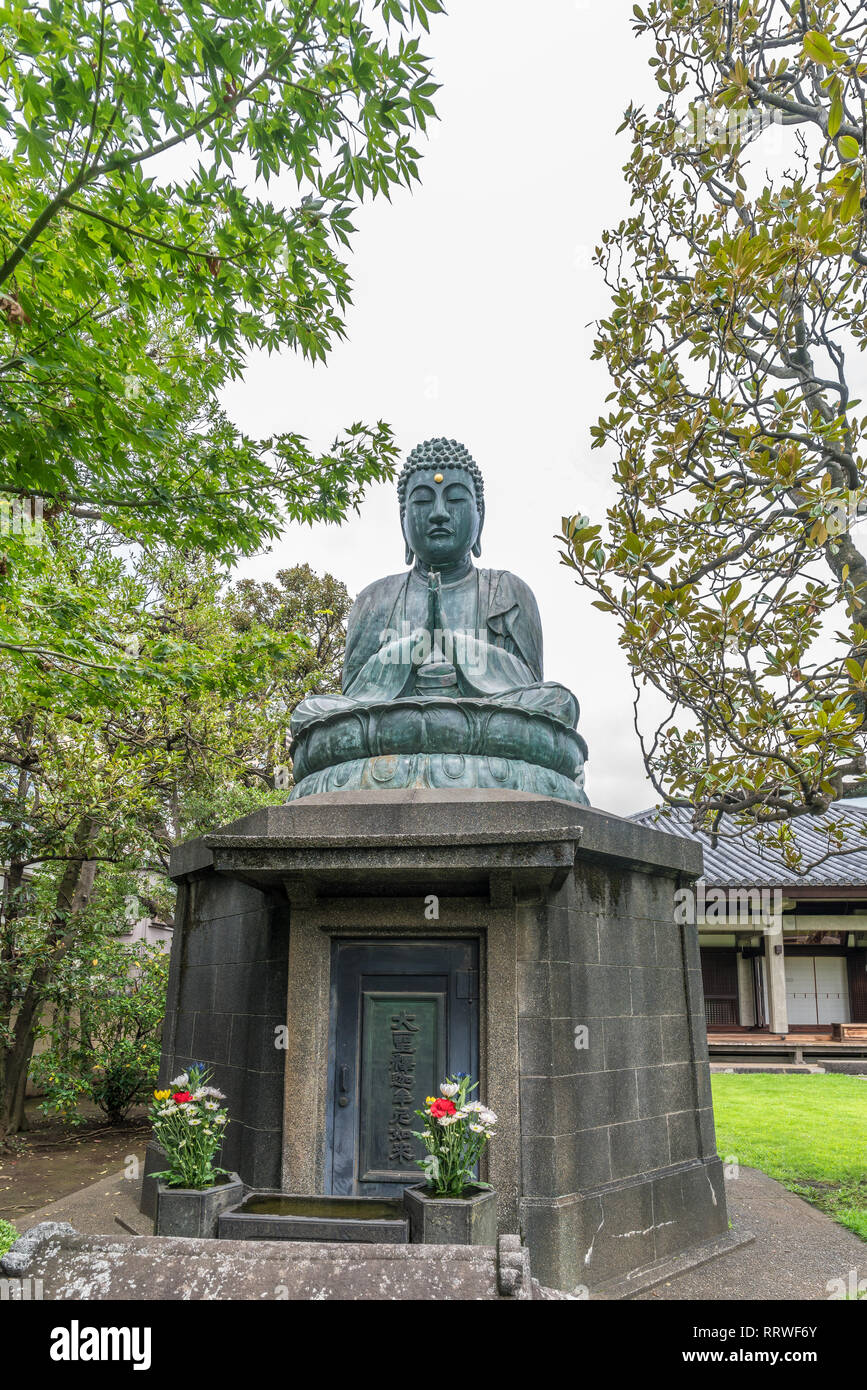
[{"x": 441, "y": 523}]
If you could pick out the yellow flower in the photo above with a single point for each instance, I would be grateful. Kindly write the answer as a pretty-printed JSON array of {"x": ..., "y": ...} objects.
[
  {"x": 161, "y": 1095},
  {"x": 429, "y": 1100}
]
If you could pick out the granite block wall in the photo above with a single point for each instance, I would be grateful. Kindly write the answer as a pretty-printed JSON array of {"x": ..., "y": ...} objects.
[
  {"x": 619, "y": 1164},
  {"x": 594, "y": 1035},
  {"x": 226, "y": 1005}
]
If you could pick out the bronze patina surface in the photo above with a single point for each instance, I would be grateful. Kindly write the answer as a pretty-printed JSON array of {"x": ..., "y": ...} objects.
[{"x": 442, "y": 680}]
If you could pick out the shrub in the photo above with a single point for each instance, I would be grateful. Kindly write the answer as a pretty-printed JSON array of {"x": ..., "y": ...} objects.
[
  {"x": 8, "y": 1237},
  {"x": 106, "y": 1032}
]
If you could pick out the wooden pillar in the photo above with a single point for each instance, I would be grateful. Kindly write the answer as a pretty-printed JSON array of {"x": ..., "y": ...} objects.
[{"x": 776, "y": 962}]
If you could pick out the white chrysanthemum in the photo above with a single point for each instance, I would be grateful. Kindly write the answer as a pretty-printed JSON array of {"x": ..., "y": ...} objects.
[
  {"x": 447, "y": 1119},
  {"x": 211, "y": 1105},
  {"x": 449, "y": 1089},
  {"x": 477, "y": 1129},
  {"x": 487, "y": 1117},
  {"x": 192, "y": 1122},
  {"x": 474, "y": 1105},
  {"x": 180, "y": 1081},
  {"x": 210, "y": 1091}
]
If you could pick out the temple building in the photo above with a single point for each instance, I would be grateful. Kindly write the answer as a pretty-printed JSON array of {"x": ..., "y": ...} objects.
[{"x": 783, "y": 954}]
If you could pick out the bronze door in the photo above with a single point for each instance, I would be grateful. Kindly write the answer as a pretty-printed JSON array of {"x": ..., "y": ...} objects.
[{"x": 404, "y": 1015}]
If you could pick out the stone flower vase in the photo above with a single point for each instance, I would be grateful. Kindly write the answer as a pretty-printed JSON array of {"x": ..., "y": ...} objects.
[
  {"x": 190, "y": 1211},
  {"x": 470, "y": 1219}
]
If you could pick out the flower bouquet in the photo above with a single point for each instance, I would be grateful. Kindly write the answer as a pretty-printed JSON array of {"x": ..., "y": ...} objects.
[
  {"x": 453, "y": 1207},
  {"x": 455, "y": 1135},
  {"x": 189, "y": 1123}
]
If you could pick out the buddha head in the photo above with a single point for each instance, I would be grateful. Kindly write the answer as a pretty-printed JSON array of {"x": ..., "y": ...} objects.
[{"x": 442, "y": 504}]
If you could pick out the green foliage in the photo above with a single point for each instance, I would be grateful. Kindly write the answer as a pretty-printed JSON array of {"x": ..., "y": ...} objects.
[
  {"x": 299, "y": 601},
  {"x": 210, "y": 679},
  {"x": 808, "y": 1132},
  {"x": 738, "y": 305},
  {"x": 99, "y": 779},
  {"x": 8, "y": 1236},
  {"x": 108, "y": 1002},
  {"x": 176, "y": 188}
]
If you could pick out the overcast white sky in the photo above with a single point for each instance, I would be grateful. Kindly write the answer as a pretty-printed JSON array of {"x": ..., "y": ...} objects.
[{"x": 472, "y": 304}]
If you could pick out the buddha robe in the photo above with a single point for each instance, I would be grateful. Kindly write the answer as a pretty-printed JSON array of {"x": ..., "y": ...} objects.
[{"x": 496, "y": 652}]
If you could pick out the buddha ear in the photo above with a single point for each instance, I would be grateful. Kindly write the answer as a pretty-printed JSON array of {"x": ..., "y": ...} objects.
[
  {"x": 477, "y": 543},
  {"x": 407, "y": 548}
]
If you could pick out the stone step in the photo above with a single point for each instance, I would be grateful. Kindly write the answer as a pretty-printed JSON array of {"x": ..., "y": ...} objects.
[
  {"x": 784, "y": 1068},
  {"x": 73, "y": 1267}
]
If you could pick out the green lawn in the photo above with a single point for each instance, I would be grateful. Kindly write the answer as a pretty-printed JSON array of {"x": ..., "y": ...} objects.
[{"x": 808, "y": 1132}]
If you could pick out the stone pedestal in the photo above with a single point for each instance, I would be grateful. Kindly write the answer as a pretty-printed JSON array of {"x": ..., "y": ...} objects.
[
  {"x": 592, "y": 1039},
  {"x": 186, "y": 1211},
  {"x": 466, "y": 1220}
]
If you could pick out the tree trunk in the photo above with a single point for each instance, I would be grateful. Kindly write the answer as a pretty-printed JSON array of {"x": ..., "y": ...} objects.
[
  {"x": 19, "y": 1117},
  {"x": 72, "y": 895}
]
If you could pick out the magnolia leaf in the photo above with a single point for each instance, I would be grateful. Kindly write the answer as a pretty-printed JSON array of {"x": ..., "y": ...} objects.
[
  {"x": 835, "y": 117},
  {"x": 847, "y": 144},
  {"x": 817, "y": 47}
]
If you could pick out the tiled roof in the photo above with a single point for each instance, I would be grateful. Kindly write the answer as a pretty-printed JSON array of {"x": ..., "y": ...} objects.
[{"x": 740, "y": 861}]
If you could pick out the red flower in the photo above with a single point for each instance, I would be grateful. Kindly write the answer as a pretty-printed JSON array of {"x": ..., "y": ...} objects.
[
  {"x": 441, "y": 1107},
  {"x": 181, "y": 1097}
]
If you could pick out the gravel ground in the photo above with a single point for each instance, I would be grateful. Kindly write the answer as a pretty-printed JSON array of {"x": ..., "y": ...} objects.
[{"x": 796, "y": 1252}]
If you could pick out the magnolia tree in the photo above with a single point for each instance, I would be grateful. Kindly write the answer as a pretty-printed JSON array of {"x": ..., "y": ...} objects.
[{"x": 733, "y": 558}]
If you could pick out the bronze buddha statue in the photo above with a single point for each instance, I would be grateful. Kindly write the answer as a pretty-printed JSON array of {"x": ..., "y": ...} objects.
[{"x": 442, "y": 678}]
